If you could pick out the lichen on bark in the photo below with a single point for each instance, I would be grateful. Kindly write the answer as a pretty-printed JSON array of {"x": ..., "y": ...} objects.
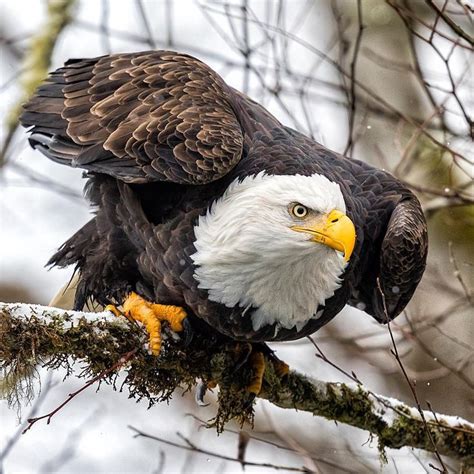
[{"x": 32, "y": 336}]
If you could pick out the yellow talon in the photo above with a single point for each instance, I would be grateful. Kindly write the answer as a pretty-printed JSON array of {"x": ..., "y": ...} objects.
[
  {"x": 113, "y": 309},
  {"x": 281, "y": 368},
  {"x": 257, "y": 362},
  {"x": 151, "y": 315},
  {"x": 173, "y": 314},
  {"x": 258, "y": 365}
]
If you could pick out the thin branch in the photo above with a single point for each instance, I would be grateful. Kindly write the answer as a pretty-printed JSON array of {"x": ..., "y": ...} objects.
[
  {"x": 122, "y": 360},
  {"x": 285, "y": 447},
  {"x": 150, "y": 40},
  {"x": 381, "y": 101},
  {"x": 411, "y": 386},
  {"x": 458, "y": 274},
  {"x": 353, "y": 101},
  {"x": 429, "y": 27},
  {"x": 451, "y": 23},
  {"x": 189, "y": 446}
]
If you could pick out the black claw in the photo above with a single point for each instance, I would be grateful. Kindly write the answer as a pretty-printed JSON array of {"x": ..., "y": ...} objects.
[
  {"x": 201, "y": 390},
  {"x": 188, "y": 332}
]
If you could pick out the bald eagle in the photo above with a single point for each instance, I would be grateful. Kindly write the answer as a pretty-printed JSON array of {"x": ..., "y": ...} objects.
[{"x": 209, "y": 210}]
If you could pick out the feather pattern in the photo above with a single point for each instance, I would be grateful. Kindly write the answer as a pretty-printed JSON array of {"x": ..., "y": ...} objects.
[
  {"x": 163, "y": 137},
  {"x": 152, "y": 116}
]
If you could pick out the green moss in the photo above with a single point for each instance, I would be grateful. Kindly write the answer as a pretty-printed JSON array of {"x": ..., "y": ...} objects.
[
  {"x": 98, "y": 345},
  {"x": 406, "y": 431}
]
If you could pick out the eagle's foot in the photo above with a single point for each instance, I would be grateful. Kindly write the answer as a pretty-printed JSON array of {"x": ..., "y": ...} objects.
[
  {"x": 256, "y": 357},
  {"x": 152, "y": 315},
  {"x": 257, "y": 364}
]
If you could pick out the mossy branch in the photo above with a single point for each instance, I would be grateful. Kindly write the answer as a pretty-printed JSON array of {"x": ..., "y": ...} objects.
[{"x": 33, "y": 335}]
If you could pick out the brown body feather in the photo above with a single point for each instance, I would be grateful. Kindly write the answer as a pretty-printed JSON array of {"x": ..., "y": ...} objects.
[{"x": 170, "y": 127}]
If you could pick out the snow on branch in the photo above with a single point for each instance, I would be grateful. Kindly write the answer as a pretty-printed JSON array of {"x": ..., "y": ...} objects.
[{"x": 32, "y": 335}]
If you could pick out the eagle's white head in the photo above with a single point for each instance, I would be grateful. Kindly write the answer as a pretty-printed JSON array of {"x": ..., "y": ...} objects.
[{"x": 276, "y": 246}]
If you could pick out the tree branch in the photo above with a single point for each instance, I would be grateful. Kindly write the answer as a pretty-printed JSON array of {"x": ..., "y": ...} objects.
[
  {"x": 451, "y": 23},
  {"x": 33, "y": 335},
  {"x": 37, "y": 62}
]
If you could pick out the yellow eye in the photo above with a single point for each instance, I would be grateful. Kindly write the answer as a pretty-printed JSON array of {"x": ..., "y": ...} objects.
[{"x": 299, "y": 211}]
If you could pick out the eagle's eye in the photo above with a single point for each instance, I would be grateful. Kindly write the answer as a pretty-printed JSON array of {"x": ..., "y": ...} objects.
[{"x": 299, "y": 211}]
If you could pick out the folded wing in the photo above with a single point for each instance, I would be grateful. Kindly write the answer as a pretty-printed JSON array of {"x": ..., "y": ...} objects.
[{"x": 397, "y": 266}]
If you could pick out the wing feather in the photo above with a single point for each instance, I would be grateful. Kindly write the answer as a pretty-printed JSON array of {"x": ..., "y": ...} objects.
[
  {"x": 395, "y": 261},
  {"x": 150, "y": 116}
]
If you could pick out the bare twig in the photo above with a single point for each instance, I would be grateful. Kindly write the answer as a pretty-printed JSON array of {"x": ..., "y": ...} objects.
[
  {"x": 451, "y": 23},
  {"x": 412, "y": 388},
  {"x": 123, "y": 360},
  {"x": 353, "y": 101},
  {"x": 255, "y": 437},
  {"x": 189, "y": 446},
  {"x": 458, "y": 274}
]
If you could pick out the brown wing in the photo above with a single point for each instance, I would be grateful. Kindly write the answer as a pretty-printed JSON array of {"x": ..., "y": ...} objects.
[
  {"x": 149, "y": 116},
  {"x": 402, "y": 257},
  {"x": 395, "y": 264}
]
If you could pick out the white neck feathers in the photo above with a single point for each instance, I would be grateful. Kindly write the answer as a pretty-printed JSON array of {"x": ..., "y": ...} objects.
[{"x": 248, "y": 256}]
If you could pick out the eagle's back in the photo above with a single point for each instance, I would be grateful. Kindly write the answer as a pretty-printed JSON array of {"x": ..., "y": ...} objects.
[{"x": 162, "y": 137}]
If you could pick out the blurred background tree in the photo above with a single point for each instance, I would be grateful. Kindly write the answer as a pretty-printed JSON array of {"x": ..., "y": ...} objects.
[{"x": 384, "y": 81}]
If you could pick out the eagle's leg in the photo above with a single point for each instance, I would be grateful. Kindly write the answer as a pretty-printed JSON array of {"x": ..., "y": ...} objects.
[
  {"x": 152, "y": 315},
  {"x": 258, "y": 362}
]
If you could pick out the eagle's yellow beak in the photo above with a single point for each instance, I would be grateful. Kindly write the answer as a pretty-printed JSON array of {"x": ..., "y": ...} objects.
[{"x": 335, "y": 230}]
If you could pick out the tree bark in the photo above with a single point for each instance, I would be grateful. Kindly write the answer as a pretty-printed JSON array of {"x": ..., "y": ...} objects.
[{"x": 32, "y": 335}]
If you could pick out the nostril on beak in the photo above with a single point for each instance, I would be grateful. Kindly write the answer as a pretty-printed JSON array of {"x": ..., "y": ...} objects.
[{"x": 334, "y": 220}]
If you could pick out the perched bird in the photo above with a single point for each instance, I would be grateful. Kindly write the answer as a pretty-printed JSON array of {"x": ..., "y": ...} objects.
[{"x": 209, "y": 211}]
